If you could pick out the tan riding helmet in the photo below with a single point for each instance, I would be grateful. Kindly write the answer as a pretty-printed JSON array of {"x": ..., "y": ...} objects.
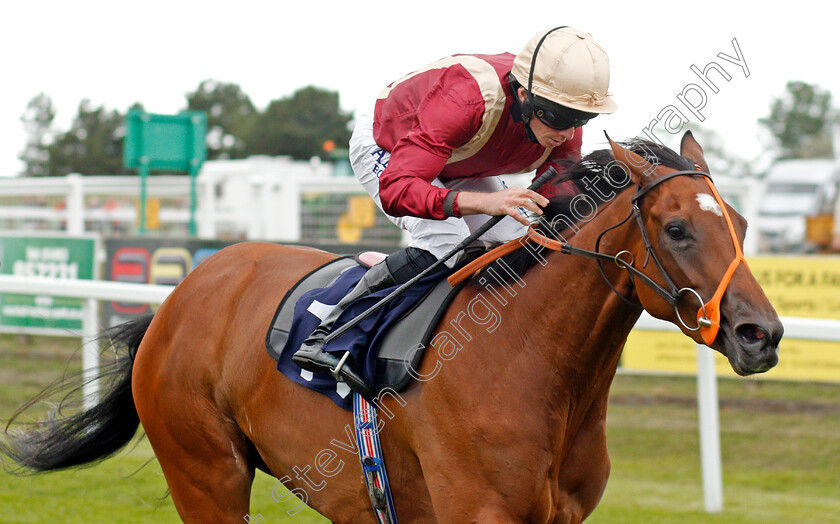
[{"x": 570, "y": 69}]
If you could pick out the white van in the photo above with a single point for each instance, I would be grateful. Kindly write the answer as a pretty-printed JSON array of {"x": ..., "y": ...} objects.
[{"x": 794, "y": 190}]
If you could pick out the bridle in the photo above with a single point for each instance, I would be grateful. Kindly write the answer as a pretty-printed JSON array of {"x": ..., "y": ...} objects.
[{"x": 708, "y": 314}]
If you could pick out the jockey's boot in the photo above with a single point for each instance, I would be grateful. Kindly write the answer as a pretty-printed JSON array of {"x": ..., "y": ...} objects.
[{"x": 311, "y": 355}]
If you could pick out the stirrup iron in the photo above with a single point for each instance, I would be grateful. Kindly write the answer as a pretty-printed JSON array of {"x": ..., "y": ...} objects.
[{"x": 336, "y": 373}]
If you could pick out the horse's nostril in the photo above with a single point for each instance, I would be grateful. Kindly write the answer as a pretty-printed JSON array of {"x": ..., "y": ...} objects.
[{"x": 751, "y": 334}]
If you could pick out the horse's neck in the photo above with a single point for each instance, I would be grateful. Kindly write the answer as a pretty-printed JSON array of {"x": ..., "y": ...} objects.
[{"x": 578, "y": 321}]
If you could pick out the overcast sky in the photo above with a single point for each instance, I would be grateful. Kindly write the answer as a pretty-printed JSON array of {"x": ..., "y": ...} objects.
[{"x": 154, "y": 52}]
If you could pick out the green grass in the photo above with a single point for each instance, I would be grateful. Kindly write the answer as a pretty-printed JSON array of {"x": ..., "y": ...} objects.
[
  {"x": 119, "y": 490},
  {"x": 780, "y": 444}
]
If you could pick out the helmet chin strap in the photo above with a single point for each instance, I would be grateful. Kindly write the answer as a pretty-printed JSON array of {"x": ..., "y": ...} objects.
[
  {"x": 526, "y": 119},
  {"x": 528, "y": 131},
  {"x": 528, "y": 112}
]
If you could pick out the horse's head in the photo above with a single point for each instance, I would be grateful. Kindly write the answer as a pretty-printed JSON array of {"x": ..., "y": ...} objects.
[{"x": 694, "y": 239}]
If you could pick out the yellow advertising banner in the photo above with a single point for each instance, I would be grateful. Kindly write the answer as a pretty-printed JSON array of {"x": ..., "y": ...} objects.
[
  {"x": 806, "y": 287},
  {"x": 673, "y": 352}
]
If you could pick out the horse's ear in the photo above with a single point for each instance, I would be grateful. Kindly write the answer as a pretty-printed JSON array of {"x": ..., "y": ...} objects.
[
  {"x": 690, "y": 149},
  {"x": 634, "y": 165}
]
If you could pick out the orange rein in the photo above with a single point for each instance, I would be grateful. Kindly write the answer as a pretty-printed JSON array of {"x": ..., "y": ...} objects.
[
  {"x": 708, "y": 315},
  {"x": 508, "y": 247}
]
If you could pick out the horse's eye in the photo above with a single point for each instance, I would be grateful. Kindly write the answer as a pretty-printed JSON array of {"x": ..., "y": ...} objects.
[{"x": 675, "y": 231}]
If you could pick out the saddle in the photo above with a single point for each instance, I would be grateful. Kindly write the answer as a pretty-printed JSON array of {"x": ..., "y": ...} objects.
[{"x": 394, "y": 354}]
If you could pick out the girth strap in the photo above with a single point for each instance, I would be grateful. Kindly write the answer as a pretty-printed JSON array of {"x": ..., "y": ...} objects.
[{"x": 373, "y": 461}]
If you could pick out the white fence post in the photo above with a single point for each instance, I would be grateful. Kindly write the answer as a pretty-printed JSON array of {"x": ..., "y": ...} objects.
[
  {"x": 255, "y": 225},
  {"x": 266, "y": 208},
  {"x": 207, "y": 206},
  {"x": 707, "y": 406},
  {"x": 75, "y": 205},
  {"x": 90, "y": 352},
  {"x": 288, "y": 211}
]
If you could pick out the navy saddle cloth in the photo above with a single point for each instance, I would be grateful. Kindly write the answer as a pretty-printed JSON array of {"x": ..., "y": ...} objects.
[{"x": 384, "y": 345}]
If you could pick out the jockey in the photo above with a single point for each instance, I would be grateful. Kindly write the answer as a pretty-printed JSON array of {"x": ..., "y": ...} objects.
[{"x": 431, "y": 154}]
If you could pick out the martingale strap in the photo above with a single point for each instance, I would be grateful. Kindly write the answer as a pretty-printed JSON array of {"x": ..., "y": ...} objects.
[{"x": 373, "y": 462}]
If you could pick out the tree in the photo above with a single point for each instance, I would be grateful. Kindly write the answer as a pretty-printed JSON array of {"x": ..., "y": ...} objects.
[
  {"x": 801, "y": 121},
  {"x": 38, "y": 125},
  {"x": 229, "y": 117},
  {"x": 92, "y": 146},
  {"x": 299, "y": 126}
]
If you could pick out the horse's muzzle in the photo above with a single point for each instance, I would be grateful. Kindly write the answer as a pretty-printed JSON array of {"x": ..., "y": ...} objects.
[{"x": 756, "y": 346}]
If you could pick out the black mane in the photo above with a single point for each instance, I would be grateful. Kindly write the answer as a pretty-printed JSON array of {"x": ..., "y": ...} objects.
[{"x": 593, "y": 179}]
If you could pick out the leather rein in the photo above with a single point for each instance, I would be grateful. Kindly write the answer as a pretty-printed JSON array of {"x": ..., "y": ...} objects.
[{"x": 708, "y": 315}]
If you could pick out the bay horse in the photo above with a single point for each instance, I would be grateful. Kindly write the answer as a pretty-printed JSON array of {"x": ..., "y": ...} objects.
[{"x": 508, "y": 422}]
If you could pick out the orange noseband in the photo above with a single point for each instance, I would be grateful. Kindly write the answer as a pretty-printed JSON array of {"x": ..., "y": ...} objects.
[{"x": 709, "y": 328}]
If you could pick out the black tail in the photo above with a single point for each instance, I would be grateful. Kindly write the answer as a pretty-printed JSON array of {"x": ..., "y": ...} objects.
[{"x": 63, "y": 441}]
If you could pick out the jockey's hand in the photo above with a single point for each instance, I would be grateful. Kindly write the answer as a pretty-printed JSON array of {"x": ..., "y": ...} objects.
[{"x": 504, "y": 202}]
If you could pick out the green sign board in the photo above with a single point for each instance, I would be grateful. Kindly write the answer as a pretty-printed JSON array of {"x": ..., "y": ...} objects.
[
  {"x": 165, "y": 143},
  {"x": 47, "y": 257}
]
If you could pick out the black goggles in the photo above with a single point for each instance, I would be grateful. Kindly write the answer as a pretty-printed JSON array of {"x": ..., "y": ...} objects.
[{"x": 562, "y": 118}]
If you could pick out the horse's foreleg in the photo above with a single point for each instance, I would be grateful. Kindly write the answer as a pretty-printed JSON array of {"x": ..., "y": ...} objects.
[{"x": 457, "y": 499}]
